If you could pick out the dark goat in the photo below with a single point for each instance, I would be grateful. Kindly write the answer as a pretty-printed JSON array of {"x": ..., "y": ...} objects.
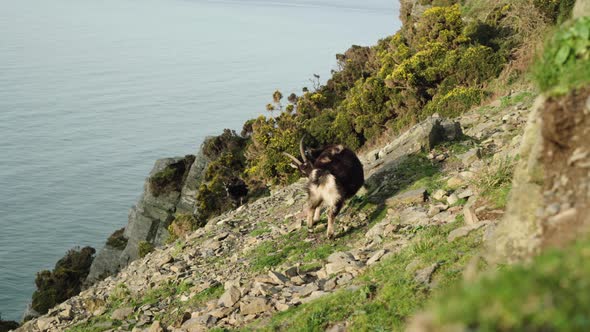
[
  {"x": 236, "y": 190},
  {"x": 334, "y": 174}
]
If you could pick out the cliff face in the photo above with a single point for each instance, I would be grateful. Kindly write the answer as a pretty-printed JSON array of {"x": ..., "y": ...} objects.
[{"x": 170, "y": 188}]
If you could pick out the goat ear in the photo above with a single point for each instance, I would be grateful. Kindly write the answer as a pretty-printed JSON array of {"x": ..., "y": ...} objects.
[{"x": 294, "y": 166}]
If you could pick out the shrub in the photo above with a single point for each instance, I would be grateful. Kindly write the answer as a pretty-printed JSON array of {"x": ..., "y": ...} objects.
[
  {"x": 171, "y": 177},
  {"x": 7, "y": 325},
  {"x": 565, "y": 62},
  {"x": 441, "y": 25},
  {"x": 117, "y": 240},
  {"x": 367, "y": 109},
  {"x": 270, "y": 137},
  {"x": 214, "y": 146},
  {"x": 182, "y": 225},
  {"x": 555, "y": 10},
  {"x": 353, "y": 65},
  {"x": 144, "y": 248},
  {"x": 65, "y": 281},
  {"x": 227, "y": 163},
  {"x": 207, "y": 202},
  {"x": 454, "y": 103}
]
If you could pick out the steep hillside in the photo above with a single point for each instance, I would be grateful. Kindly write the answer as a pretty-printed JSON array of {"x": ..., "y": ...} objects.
[{"x": 414, "y": 231}]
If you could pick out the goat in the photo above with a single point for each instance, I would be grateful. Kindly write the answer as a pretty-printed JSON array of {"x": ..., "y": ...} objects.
[
  {"x": 334, "y": 174},
  {"x": 236, "y": 189}
]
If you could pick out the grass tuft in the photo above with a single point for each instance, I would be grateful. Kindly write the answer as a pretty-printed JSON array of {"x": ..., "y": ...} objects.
[
  {"x": 495, "y": 181},
  {"x": 550, "y": 294}
]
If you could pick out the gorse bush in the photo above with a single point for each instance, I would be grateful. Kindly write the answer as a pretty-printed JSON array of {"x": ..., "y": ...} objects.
[
  {"x": 555, "y": 10},
  {"x": 226, "y": 163},
  {"x": 65, "y": 281},
  {"x": 401, "y": 75},
  {"x": 454, "y": 102}
]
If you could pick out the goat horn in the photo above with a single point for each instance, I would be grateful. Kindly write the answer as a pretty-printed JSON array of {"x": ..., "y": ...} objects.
[
  {"x": 302, "y": 150},
  {"x": 295, "y": 160}
]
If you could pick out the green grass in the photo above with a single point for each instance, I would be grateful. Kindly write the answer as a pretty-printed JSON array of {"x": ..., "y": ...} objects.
[
  {"x": 178, "y": 248},
  {"x": 487, "y": 109},
  {"x": 96, "y": 324},
  {"x": 387, "y": 294},
  {"x": 429, "y": 175},
  {"x": 261, "y": 228},
  {"x": 155, "y": 295},
  {"x": 551, "y": 294},
  {"x": 321, "y": 252},
  {"x": 460, "y": 202},
  {"x": 495, "y": 182},
  {"x": 414, "y": 168},
  {"x": 525, "y": 97},
  {"x": 292, "y": 248},
  {"x": 118, "y": 296},
  {"x": 267, "y": 255},
  {"x": 176, "y": 309},
  {"x": 412, "y": 173},
  {"x": 430, "y": 183}
]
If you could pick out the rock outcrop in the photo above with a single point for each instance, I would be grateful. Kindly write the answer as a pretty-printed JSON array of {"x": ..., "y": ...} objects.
[
  {"x": 421, "y": 137},
  {"x": 170, "y": 188},
  {"x": 548, "y": 202}
]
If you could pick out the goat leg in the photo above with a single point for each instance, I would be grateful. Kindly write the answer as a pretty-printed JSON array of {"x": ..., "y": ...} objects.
[
  {"x": 332, "y": 213},
  {"x": 312, "y": 206},
  {"x": 317, "y": 214}
]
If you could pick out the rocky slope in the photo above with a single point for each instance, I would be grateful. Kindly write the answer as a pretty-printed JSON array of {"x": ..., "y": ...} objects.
[{"x": 248, "y": 264}]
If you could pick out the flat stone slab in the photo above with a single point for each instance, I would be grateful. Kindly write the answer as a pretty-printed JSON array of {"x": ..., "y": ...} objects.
[{"x": 415, "y": 196}]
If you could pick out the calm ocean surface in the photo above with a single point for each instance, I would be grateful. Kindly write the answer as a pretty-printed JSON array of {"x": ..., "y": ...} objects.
[{"x": 93, "y": 92}]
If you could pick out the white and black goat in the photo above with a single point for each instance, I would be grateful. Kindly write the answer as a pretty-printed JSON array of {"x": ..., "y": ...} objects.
[{"x": 334, "y": 174}]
